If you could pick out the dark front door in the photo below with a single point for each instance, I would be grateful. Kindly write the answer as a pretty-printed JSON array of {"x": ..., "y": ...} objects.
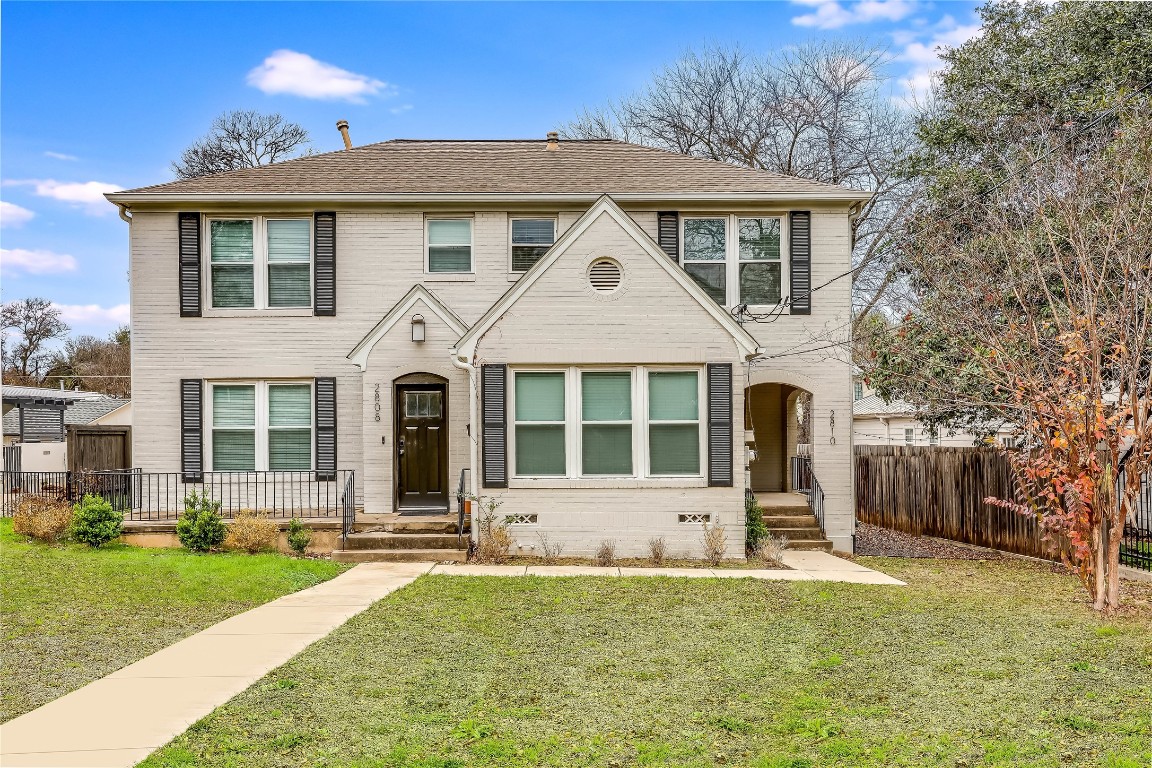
[{"x": 421, "y": 448}]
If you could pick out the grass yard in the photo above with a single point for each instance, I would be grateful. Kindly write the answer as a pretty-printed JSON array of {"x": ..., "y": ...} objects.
[
  {"x": 974, "y": 664},
  {"x": 71, "y": 614}
]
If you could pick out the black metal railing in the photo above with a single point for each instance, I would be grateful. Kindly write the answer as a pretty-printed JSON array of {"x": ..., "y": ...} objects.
[
  {"x": 1136, "y": 544},
  {"x": 461, "y": 504},
  {"x": 804, "y": 481},
  {"x": 348, "y": 508},
  {"x": 160, "y": 495}
]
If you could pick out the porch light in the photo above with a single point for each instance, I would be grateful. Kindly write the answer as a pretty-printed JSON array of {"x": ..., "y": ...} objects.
[{"x": 417, "y": 327}]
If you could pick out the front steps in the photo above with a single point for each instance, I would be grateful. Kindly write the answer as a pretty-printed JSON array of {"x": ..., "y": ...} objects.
[
  {"x": 788, "y": 514},
  {"x": 395, "y": 538}
]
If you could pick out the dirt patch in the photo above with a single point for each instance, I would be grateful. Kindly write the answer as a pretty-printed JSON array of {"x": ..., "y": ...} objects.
[{"x": 873, "y": 541}]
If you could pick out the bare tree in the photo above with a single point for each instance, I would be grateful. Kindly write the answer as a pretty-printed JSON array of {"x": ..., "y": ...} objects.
[
  {"x": 241, "y": 139},
  {"x": 94, "y": 364},
  {"x": 818, "y": 111},
  {"x": 35, "y": 322}
]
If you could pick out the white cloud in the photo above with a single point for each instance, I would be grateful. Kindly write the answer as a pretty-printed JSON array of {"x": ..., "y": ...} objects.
[
  {"x": 16, "y": 260},
  {"x": 93, "y": 314},
  {"x": 831, "y": 14},
  {"x": 12, "y": 215},
  {"x": 923, "y": 56},
  {"x": 299, "y": 74},
  {"x": 87, "y": 194},
  {"x": 60, "y": 156},
  {"x": 401, "y": 109}
]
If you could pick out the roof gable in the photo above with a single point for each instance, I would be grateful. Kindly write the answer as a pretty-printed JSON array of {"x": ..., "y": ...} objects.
[
  {"x": 605, "y": 206},
  {"x": 418, "y": 294}
]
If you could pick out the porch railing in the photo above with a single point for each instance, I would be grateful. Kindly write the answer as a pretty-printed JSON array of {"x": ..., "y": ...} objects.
[
  {"x": 348, "y": 508},
  {"x": 461, "y": 503},
  {"x": 1136, "y": 544},
  {"x": 804, "y": 481},
  {"x": 160, "y": 495}
]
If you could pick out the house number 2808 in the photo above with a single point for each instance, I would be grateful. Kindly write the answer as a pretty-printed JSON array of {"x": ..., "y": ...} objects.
[{"x": 377, "y": 402}]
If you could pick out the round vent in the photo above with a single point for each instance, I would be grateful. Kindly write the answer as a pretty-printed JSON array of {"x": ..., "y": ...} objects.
[{"x": 604, "y": 275}]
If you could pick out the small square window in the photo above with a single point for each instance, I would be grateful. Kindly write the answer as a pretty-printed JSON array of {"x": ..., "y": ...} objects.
[
  {"x": 531, "y": 239},
  {"x": 449, "y": 245}
]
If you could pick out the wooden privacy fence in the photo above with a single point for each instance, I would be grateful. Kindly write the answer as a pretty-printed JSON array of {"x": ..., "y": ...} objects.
[{"x": 934, "y": 491}]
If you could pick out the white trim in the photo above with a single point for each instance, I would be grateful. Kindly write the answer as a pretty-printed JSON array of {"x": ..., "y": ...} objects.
[
  {"x": 418, "y": 293},
  {"x": 260, "y": 425},
  {"x": 466, "y": 347},
  {"x": 260, "y": 265},
  {"x": 428, "y": 218},
  {"x": 312, "y": 199}
]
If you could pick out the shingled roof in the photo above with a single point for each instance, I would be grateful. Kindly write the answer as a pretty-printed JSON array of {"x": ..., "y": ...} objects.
[{"x": 416, "y": 167}]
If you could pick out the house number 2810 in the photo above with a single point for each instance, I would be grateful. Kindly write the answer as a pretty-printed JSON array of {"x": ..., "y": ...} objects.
[{"x": 377, "y": 402}]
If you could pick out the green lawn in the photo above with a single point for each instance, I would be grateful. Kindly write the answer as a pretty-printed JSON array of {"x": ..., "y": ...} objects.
[
  {"x": 70, "y": 614},
  {"x": 974, "y": 664}
]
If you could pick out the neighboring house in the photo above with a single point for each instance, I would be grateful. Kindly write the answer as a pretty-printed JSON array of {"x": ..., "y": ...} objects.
[
  {"x": 549, "y": 319},
  {"x": 876, "y": 421},
  {"x": 36, "y": 421}
]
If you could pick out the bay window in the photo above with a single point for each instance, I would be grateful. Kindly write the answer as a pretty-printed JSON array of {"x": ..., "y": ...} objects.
[
  {"x": 449, "y": 245},
  {"x": 745, "y": 268},
  {"x": 260, "y": 262},
  {"x": 638, "y": 422},
  {"x": 260, "y": 425}
]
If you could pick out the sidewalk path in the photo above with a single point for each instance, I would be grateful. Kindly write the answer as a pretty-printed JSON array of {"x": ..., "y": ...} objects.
[
  {"x": 124, "y": 717},
  {"x": 804, "y": 565}
]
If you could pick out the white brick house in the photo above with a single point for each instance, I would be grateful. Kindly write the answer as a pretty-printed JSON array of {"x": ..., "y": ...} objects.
[{"x": 555, "y": 317}]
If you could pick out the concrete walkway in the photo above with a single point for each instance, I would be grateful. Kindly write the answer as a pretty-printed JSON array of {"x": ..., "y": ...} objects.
[
  {"x": 806, "y": 566},
  {"x": 124, "y": 717}
]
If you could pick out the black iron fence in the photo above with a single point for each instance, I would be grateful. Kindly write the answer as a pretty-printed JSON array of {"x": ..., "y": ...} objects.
[
  {"x": 1136, "y": 546},
  {"x": 160, "y": 495},
  {"x": 805, "y": 482}
]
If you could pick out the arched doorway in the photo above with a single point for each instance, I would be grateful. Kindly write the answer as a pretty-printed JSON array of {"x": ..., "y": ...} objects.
[{"x": 777, "y": 427}]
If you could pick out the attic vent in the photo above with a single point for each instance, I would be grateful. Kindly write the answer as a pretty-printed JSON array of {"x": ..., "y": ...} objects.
[{"x": 604, "y": 275}]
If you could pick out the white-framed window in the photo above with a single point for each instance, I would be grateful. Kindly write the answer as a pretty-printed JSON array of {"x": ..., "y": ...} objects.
[
  {"x": 745, "y": 268},
  {"x": 259, "y": 262},
  {"x": 933, "y": 435},
  {"x": 857, "y": 390},
  {"x": 909, "y": 436},
  {"x": 531, "y": 237},
  {"x": 260, "y": 425},
  {"x": 634, "y": 422},
  {"x": 448, "y": 245}
]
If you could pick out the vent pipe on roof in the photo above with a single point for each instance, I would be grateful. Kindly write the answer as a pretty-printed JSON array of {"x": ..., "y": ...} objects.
[
  {"x": 553, "y": 141},
  {"x": 342, "y": 126}
]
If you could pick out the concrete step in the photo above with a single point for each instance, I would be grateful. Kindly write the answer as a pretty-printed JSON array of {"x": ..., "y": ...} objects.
[
  {"x": 786, "y": 509},
  {"x": 399, "y": 555},
  {"x": 806, "y": 544},
  {"x": 379, "y": 540},
  {"x": 791, "y": 521},
  {"x": 798, "y": 534},
  {"x": 393, "y": 523}
]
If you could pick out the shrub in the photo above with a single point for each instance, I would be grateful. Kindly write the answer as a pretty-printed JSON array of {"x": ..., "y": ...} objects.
[
  {"x": 606, "y": 553},
  {"x": 657, "y": 550},
  {"x": 770, "y": 549},
  {"x": 200, "y": 528},
  {"x": 715, "y": 543},
  {"x": 252, "y": 532},
  {"x": 94, "y": 522},
  {"x": 754, "y": 527},
  {"x": 299, "y": 537},
  {"x": 41, "y": 517},
  {"x": 495, "y": 539},
  {"x": 549, "y": 550}
]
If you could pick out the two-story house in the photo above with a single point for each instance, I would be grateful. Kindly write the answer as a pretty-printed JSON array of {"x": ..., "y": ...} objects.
[{"x": 607, "y": 339}]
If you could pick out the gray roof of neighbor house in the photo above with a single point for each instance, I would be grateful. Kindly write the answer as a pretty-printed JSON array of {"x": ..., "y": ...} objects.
[
  {"x": 16, "y": 391},
  {"x": 418, "y": 167},
  {"x": 81, "y": 411},
  {"x": 874, "y": 405}
]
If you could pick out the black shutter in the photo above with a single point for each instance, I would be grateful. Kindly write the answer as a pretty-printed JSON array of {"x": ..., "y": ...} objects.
[
  {"x": 325, "y": 428},
  {"x": 800, "y": 261},
  {"x": 720, "y": 424},
  {"x": 192, "y": 430},
  {"x": 324, "y": 266},
  {"x": 668, "y": 233},
  {"x": 189, "y": 264},
  {"x": 493, "y": 387}
]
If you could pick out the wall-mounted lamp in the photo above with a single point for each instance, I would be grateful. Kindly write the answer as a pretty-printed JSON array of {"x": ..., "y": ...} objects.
[{"x": 417, "y": 327}]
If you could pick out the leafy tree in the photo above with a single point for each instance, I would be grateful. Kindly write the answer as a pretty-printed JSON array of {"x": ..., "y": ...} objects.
[
  {"x": 97, "y": 365},
  {"x": 242, "y": 139},
  {"x": 35, "y": 322},
  {"x": 819, "y": 111}
]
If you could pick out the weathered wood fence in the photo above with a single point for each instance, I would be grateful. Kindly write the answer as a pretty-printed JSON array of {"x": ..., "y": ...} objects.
[{"x": 934, "y": 491}]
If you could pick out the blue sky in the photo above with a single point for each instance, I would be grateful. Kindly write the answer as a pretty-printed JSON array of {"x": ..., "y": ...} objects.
[{"x": 103, "y": 96}]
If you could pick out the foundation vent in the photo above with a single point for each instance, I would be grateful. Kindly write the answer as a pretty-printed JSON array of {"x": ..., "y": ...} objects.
[
  {"x": 694, "y": 518},
  {"x": 521, "y": 519}
]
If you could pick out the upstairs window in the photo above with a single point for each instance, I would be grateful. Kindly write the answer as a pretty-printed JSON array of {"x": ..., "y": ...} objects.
[
  {"x": 449, "y": 244},
  {"x": 260, "y": 262},
  {"x": 745, "y": 268},
  {"x": 857, "y": 390},
  {"x": 531, "y": 239}
]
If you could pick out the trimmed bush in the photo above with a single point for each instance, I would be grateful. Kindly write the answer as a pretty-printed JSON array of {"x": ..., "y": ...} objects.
[
  {"x": 94, "y": 522},
  {"x": 252, "y": 532},
  {"x": 42, "y": 517},
  {"x": 200, "y": 528},
  {"x": 754, "y": 529},
  {"x": 299, "y": 537}
]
